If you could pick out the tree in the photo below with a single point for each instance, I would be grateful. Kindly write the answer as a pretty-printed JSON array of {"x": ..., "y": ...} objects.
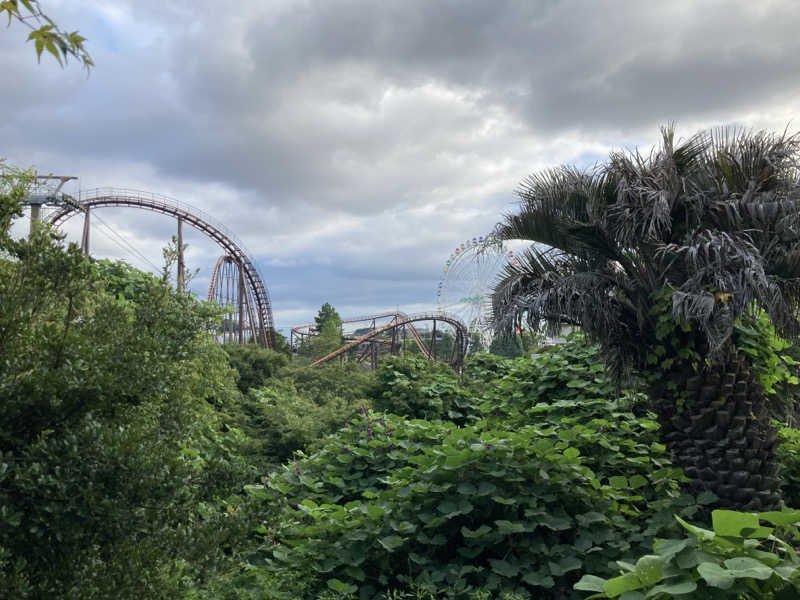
[
  {"x": 112, "y": 455},
  {"x": 680, "y": 263},
  {"x": 254, "y": 364},
  {"x": 45, "y": 34},
  {"x": 327, "y": 314},
  {"x": 328, "y": 334}
]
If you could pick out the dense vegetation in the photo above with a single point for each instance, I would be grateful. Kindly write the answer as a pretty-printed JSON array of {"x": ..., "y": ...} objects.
[
  {"x": 665, "y": 259},
  {"x": 138, "y": 459}
]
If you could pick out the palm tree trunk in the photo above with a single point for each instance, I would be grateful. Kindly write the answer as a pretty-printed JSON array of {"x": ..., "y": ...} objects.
[{"x": 722, "y": 436}]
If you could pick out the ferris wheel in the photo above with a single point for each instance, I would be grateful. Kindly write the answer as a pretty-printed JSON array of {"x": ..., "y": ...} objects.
[{"x": 468, "y": 276}]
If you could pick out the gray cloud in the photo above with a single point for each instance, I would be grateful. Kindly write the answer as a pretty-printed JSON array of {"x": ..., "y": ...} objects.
[{"x": 352, "y": 144}]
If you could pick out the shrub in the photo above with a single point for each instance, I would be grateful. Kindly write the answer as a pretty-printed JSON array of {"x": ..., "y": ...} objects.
[
  {"x": 418, "y": 388},
  {"x": 254, "y": 364},
  {"x": 390, "y": 503},
  {"x": 739, "y": 559}
]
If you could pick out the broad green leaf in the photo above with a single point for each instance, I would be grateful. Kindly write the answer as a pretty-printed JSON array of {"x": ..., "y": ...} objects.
[
  {"x": 701, "y": 534},
  {"x": 781, "y": 517},
  {"x": 649, "y": 569},
  {"x": 624, "y": 583},
  {"x": 540, "y": 579},
  {"x": 566, "y": 564},
  {"x": 744, "y": 566},
  {"x": 479, "y": 532},
  {"x": 618, "y": 482},
  {"x": 391, "y": 542},
  {"x": 675, "y": 587},
  {"x": 670, "y": 547},
  {"x": 715, "y": 575},
  {"x": 588, "y": 583},
  {"x": 507, "y": 527},
  {"x": 731, "y": 523},
  {"x": 504, "y": 568},
  {"x": 340, "y": 587}
]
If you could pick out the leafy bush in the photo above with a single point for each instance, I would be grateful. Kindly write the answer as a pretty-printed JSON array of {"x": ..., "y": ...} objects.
[
  {"x": 788, "y": 453},
  {"x": 418, "y": 388},
  {"x": 283, "y": 421},
  {"x": 388, "y": 502},
  {"x": 740, "y": 559},
  {"x": 254, "y": 365},
  {"x": 350, "y": 381},
  {"x": 111, "y": 464}
]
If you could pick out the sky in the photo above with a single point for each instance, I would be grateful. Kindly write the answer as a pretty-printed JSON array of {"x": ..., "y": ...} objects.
[{"x": 351, "y": 144}]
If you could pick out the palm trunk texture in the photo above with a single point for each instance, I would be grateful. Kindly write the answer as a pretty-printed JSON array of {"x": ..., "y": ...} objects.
[{"x": 722, "y": 436}]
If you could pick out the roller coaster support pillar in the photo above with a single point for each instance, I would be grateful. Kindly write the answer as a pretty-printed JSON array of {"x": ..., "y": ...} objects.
[
  {"x": 36, "y": 214},
  {"x": 240, "y": 295},
  {"x": 85, "y": 235},
  {"x": 433, "y": 341},
  {"x": 181, "y": 277},
  {"x": 393, "y": 349}
]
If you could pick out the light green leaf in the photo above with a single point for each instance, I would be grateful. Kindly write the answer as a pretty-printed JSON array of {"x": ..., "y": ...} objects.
[
  {"x": 619, "y": 585},
  {"x": 679, "y": 587},
  {"x": 731, "y": 523},
  {"x": 340, "y": 587},
  {"x": 479, "y": 532},
  {"x": 618, "y": 482},
  {"x": 715, "y": 575},
  {"x": 391, "y": 542},
  {"x": 588, "y": 583},
  {"x": 744, "y": 566}
]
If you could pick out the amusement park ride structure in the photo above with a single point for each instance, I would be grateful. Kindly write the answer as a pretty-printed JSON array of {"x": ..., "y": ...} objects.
[
  {"x": 237, "y": 285},
  {"x": 251, "y": 294},
  {"x": 392, "y": 336}
]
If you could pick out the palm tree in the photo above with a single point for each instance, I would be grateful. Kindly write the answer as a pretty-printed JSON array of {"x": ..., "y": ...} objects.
[{"x": 660, "y": 259}]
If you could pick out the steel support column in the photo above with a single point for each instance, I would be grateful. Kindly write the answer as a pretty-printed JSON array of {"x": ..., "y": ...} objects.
[
  {"x": 85, "y": 236},
  {"x": 181, "y": 277}
]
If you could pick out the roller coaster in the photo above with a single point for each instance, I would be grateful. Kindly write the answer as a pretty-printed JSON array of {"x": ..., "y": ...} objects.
[
  {"x": 251, "y": 322},
  {"x": 237, "y": 285},
  {"x": 391, "y": 337}
]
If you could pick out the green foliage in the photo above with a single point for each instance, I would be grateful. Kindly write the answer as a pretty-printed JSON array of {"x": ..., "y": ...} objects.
[
  {"x": 547, "y": 481},
  {"x": 739, "y": 559},
  {"x": 254, "y": 364},
  {"x": 113, "y": 465},
  {"x": 512, "y": 345},
  {"x": 755, "y": 336},
  {"x": 295, "y": 409},
  {"x": 47, "y": 36},
  {"x": 326, "y": 382},
  {"x": 389, "y": 502},
  {"x": 327, "y": 314},
  {"x": 418, "y": 388},
  {"x": 788, "y": 453}
]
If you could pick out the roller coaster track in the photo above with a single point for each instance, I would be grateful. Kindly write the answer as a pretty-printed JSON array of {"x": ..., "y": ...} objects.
[
  {"x": 459, "y": 343},
  {"x": 104, "y": 197},
  {"x": 308, "y": 328}
]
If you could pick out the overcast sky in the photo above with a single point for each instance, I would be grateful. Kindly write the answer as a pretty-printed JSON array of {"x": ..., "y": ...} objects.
[{"x": 352, "y": 145}]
